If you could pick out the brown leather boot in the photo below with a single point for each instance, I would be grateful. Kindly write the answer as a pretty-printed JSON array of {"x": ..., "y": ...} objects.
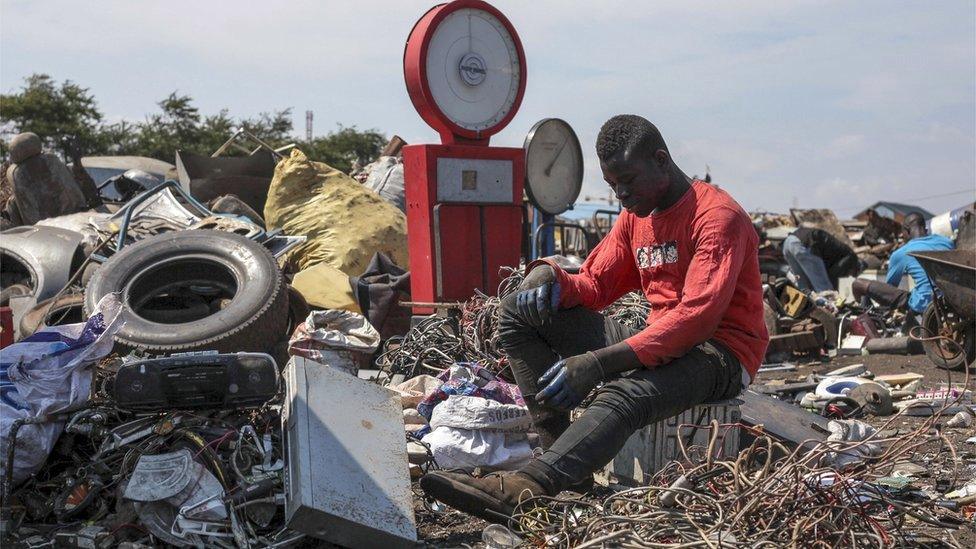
[{"x": 492, "y": 497}]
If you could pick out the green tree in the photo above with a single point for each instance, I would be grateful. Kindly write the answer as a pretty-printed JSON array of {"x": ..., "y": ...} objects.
[
  {"x": 66, "y": 113},
  {"x": 344, "y": 146},
  {"x": 59, "y": 114}
]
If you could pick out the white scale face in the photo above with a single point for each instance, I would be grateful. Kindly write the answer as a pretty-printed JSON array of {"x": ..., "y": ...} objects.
[
  {"x": 473, "y": 69},
  {"x": 553, "y": 166}
]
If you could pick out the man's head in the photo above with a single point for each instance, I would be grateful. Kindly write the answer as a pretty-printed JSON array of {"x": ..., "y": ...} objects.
[
  {"x": 914, "y": 225},
  {"x": 635, "y": 162}
]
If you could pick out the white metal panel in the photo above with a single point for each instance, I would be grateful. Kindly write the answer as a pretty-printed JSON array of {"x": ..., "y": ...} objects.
[
  {"x": 469, "y": 180},
  {"x": 348, "y": 478}
]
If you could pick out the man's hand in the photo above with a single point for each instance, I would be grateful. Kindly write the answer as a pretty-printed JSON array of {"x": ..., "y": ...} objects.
[
  {"x": 538, "y": 296},
  {"x": 568, "y": 381}
]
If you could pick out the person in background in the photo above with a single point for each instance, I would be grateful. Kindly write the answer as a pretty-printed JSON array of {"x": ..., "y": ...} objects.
[
  {"x": 818, "y": 259},
  {"x": 888, "y": 293}
]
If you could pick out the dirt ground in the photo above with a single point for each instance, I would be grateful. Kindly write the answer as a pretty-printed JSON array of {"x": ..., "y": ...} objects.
[{"x": 448, "y": 528}]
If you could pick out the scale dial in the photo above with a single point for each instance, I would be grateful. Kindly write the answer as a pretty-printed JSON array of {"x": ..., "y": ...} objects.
[
  {"x": 553, "y": 166},
  {"x": 465, "y": 70}
]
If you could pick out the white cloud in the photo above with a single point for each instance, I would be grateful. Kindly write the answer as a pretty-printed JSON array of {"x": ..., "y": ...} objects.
[
  {"x": 781, "y": 99},
  {"x": 844, "y": 145}
]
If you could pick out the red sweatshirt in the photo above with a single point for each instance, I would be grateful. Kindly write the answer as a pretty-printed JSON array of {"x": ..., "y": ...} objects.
[{"x": 698, "y": 267}]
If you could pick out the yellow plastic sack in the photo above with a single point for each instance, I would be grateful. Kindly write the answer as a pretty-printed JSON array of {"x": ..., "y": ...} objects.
[
  {"x": 325, "y": 287},
  {"x": 345, "y": 222}
]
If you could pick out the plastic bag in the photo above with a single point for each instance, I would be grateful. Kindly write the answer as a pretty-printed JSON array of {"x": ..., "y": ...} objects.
[
  {"x": 416, "y": 389},
  {"x": 48, "y": 373},
  {"x": 476, "y": 413},
  {"x": 325, "y": 287},
  {"x": 341, "y": 339},
  {"x": 847, "y": 438},
  {"x": 471, "y": 431},
  {"x": 345, "y": 222},
  {"x": 464, "y": 449},
  {"x": 469, "y": 379},
  {"x": 386, "y": 179}
]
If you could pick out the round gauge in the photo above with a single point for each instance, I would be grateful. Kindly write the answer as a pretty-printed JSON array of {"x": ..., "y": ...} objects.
[
  {"x": 465, "y": 69},
  {"x": 553, "y": 166}
]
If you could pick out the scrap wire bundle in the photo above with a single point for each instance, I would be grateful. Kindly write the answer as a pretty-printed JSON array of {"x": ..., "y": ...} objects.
[
  {"x": 435, "y": 343},
  {"x": 630, "y": 310},
  {"x": 752, "y": 500}
]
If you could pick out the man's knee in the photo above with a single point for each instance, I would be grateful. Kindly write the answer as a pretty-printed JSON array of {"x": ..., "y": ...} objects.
[
  {"x": 618, "y": 397},
  {"x": 511, "y": 326}
]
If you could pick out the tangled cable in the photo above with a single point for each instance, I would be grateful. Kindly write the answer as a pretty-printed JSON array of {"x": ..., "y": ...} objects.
[
  {"x": 755, "y": 499},
  {"x": 765, "y": 496},
  {"x": 630, "y": 310},
  {"x": 436, "y": 342}
]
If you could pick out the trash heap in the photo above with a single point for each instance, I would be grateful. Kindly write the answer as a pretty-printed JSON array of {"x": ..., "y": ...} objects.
[
  {"x": 106, "y": 461},
  {"x": 767, "y": 495},
  {"x": 196, "y": 368}
]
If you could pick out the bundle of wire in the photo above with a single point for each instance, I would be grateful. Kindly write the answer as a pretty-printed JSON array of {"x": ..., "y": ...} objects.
[
  {"x": 439, "y": 341},
  {"x": 766, "y": 496},
  {"x": 630, "y": 310}
]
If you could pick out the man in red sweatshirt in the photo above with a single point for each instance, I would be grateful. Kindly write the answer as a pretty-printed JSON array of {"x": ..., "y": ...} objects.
[{"x": 692, "y": 250}]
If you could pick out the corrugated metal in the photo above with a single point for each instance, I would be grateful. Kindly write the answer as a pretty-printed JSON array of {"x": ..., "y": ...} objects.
[{"x": 648, "y": 450}]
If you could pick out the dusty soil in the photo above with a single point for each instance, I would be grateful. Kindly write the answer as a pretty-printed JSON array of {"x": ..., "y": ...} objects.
[{"x": 450, "y": 528}]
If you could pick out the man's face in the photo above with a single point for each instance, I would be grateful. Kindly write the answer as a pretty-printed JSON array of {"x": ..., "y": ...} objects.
[{"x": 640, "y": 181}]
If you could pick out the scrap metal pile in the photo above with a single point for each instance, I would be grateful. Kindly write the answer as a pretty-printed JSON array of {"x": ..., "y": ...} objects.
[
  {"x": 766, "y": 496},
  {"x": 127, "y": 470}
]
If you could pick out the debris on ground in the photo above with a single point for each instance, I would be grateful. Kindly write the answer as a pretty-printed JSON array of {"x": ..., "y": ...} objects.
[{"x": 229, "y": 360}]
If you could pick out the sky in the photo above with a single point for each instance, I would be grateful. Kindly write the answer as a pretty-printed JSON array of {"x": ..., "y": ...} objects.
[{"x": 826, "y": 104}]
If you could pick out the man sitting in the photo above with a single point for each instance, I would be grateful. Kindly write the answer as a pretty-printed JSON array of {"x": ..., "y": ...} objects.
[
  {"x": 818, "y": 259},
  {"x": 693, "y": 251},
  {"x": 888, "y": 293}
]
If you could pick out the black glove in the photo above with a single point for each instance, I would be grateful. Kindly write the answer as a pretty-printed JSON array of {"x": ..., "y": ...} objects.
[
  {"x": 568, "y": 381},
  {"x": 538, "y": 295}
]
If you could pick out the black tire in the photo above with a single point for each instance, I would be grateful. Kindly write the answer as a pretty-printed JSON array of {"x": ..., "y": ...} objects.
[
  {"x": 195, "y": 291},
  {"x": 946, "y": 355}
]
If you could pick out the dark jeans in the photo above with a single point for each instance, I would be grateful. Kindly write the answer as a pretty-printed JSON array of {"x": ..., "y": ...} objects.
[
  {"x": 887, "y": 295},
  {"x": 574, "y": 451}
]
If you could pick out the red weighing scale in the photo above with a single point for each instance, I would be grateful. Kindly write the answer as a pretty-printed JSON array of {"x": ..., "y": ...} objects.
[{"x": 465, "y": 72}]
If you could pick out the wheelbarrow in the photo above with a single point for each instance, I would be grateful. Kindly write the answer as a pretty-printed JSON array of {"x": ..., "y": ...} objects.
[{"x": 952, "y": 313}]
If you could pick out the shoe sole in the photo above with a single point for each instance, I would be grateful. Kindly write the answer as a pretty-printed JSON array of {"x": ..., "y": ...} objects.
[{"x": 466, "y": 499}]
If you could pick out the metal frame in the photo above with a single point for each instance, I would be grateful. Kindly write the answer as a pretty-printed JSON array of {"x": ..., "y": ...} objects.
[
  {"x": 587, "y": 235},
  {"x": 130, "y": 207}
]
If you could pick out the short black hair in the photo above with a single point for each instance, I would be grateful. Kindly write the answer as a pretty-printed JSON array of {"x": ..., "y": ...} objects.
[
  {"x": 914, "y": 219},
  {"x": 626, "y": 131}
]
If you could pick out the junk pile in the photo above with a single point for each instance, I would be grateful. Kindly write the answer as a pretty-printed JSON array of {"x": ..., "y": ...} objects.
[
  {"x": 222, "y": 360},
  {"x": 844, "y": 491},
  {"x": 155, "y": 348}
]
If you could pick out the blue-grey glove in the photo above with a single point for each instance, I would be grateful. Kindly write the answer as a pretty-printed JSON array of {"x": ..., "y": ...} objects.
[
  {"x": 538, "y": 295},
  {"x": 568, "y": 381}
]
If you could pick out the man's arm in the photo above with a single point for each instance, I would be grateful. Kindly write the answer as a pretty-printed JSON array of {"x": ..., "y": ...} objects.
[
  {"x": 722, "y": 243},
  {"x": 609, "y": 271},
  {"x": 896, "y": 267}
]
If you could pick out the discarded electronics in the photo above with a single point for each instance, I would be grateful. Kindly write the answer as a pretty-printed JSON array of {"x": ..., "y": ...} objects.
[
  {"x": 648, "y": 450},
  {"x": 196, "y": 380},
  {"x": 348, "y": 481}
]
